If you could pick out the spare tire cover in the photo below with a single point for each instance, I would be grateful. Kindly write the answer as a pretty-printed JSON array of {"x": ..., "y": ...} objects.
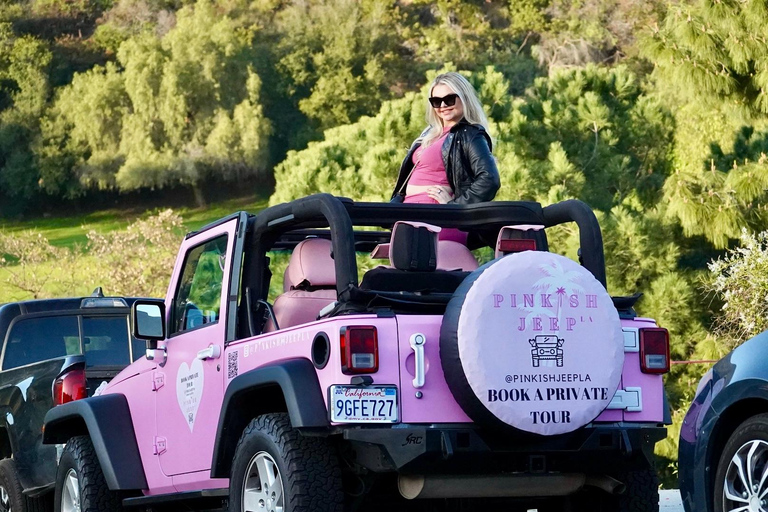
[{"x": 532, "y": 340}]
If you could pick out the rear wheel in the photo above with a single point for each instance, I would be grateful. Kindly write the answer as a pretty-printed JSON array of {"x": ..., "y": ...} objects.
[
  {"x": 12, "y": 498},
  {"x": 741, "y": 481},
  {"x": 642, "y": 492},
  {"x": 276, "y": 469},
  {"x": 80, "y": 484}
]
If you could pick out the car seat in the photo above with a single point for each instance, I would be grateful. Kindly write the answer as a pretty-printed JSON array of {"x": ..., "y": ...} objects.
[
  {"x": 310, "y": 281},
  {"x": 455, "y": 256},
  {"x": 421, "y": 263}
]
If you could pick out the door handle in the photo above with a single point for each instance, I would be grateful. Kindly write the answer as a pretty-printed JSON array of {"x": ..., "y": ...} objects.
[
  {"x": 417, "y": 344},
  {"x": 212, "y": 352}
]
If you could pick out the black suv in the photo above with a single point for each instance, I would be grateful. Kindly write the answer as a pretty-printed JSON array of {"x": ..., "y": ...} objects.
[{"x": 54, "y": 351}]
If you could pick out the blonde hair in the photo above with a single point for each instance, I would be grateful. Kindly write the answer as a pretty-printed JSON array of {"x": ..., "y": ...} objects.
[{"x": 473, "y": 109}]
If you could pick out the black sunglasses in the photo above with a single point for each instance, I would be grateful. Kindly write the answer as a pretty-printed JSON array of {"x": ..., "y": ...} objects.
[{"x": 449, "y": 100}]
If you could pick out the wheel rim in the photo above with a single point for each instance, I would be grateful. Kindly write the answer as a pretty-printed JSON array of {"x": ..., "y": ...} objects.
[
  {"x": 263, "y": 486},
  {"x": 745, "y": 488},
  {"x": 5, "y": 500},
  {"x": 70, "y": 493}
]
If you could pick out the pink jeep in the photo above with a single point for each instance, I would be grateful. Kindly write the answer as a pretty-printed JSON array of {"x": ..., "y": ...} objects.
[{"x": 415, "y": 381}]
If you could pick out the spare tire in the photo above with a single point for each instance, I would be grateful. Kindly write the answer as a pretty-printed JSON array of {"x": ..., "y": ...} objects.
[{"x": 532, "y": 340}]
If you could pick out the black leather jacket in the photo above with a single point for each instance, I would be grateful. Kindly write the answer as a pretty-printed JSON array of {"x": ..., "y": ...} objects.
[{"x": 468, "y": 161}]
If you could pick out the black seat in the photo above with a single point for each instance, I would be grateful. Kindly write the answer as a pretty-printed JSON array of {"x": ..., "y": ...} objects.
[{"x": 394, "y": 280}]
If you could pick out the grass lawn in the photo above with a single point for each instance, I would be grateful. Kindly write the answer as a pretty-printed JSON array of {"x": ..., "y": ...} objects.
[{"x": 71, "y": 231}]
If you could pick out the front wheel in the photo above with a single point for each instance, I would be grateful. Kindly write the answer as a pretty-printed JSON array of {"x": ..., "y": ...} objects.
[
  {"x": 741, "y": 481},
  {"x": 80, "y": 484},
  {"x": 276, "y": 469}
]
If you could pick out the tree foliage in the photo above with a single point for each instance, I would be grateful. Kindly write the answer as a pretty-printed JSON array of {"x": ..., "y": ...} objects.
[
  {"x": 740, "y": 281},
  {"x": 716, "y": 50},
  {"x": 180, "y": 109},
  {"x": 24, "y": 92},
  {"x": 33, "y": 265},
  {"x": 720, "y": 179},
  {"x": 152, "y": 243}
]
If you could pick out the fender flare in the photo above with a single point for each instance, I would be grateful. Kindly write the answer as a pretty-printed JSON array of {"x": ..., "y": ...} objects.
[
  {"x": 303, "y": 399},
  {"x": 107, "y": 420}
]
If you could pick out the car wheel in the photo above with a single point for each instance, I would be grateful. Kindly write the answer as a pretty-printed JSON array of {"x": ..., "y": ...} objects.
[
  {"x": 276, "y": 469},
  {"x": 80, "y": 484},
  {"x": 642, "y": 492},
  {"x": 12, "y": 498},
  {"x": 741, "y": 481}
]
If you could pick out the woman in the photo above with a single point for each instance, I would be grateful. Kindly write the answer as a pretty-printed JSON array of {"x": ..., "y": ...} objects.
[{"x": 451, "y": 161}]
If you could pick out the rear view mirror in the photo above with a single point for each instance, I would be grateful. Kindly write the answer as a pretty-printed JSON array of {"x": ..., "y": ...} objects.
[{"x": 148, "y": 321}]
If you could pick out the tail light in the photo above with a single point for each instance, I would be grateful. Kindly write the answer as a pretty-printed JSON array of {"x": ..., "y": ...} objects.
[
  {"x": 654, "y": 350},
  {"x": 69, "y": 387},
  {"x": 512, "y": 245},
  {"x": 359, "y": 350}
]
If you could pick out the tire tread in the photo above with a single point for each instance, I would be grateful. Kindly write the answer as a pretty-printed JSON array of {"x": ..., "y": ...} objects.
[
  {"x": 95, "y": 496},
  {"x": 19, "y": 502},
  {"x": 313, "y": 470},
  {"x": 642, "y": 493}
]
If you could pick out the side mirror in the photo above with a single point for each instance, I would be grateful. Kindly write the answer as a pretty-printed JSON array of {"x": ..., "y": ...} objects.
[{"x": 148, "y": 321}]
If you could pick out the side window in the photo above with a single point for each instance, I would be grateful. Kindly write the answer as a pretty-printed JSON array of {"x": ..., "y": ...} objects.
[
  {"x": 40, "y": 339},
  {"x": 198, "y": 297},
  {"x": 105, "y": 340}
]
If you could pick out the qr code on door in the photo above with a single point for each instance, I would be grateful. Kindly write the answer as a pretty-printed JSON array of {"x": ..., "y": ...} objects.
[{"x": 232, "y": 365}]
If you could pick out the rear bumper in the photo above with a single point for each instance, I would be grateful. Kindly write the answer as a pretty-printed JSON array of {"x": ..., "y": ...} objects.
[{"x": 468, "y": 449}]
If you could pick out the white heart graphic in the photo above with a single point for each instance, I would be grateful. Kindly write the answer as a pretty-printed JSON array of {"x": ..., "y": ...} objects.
[{"x": 189, "y": 390}]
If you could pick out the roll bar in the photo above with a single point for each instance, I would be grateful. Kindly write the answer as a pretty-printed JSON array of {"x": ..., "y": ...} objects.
[
  {"x": 590, "y": 236},
  {"x": 312, "y": 211},
  {"x": 320, "y": 210}
]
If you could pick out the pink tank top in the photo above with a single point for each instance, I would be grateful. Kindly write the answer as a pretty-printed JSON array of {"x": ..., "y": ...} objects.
[{"x": 429, "y": 168}]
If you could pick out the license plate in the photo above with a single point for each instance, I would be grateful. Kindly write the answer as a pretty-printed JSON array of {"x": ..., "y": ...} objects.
[{"x": 363, "y": 404}]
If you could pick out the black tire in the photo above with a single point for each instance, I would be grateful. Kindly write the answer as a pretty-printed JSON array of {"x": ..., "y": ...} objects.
[
  {"x": 753, "y": 430},
  {"x": 11, "y": 496},
  {"x": 307, "y": 466},
  {"x": 79, "y": 461},
  {"x": 642, "y": 492}
]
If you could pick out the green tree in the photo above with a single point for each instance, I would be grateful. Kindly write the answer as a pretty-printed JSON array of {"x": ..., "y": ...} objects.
[
  {"x": 183, "y": 109},
  {"x": 720, "y": 190},
  {"x": 710, "y": 67},
  {"x": 585, "y": 133},
  {"x": 359, "y": 160},
  {"x": 715, "y": 51},
  {"x": 24, "y": 91},
  {"x": 337, "y": 55}
]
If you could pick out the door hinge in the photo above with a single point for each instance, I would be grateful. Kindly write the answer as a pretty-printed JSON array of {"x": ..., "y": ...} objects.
[
  {"x": 159, "y": 445},
  {"x": 629, "y": 399},
  {"x": 158, "y": 380}
]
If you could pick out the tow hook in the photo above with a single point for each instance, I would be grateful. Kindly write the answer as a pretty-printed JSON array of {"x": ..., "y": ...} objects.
[
  {"x": 446, "y": 445},
  {"x": 626, "y": 445}
]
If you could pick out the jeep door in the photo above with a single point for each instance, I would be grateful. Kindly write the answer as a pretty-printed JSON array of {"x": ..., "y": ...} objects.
[{"x": 192, "y": 381}]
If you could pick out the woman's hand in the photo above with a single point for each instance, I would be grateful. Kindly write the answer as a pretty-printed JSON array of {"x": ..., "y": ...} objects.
[{"x": 440, "y": 193}]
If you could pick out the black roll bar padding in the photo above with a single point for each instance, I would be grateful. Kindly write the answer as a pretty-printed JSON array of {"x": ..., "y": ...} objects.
[{"x": 590, "y": 236}]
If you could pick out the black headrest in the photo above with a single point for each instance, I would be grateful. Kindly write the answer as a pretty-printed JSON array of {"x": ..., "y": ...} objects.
[{"x": 413, "y": 248}]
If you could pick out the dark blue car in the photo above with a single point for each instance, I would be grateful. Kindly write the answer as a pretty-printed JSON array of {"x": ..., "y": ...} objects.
[{"x": 723, "y": 456}]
